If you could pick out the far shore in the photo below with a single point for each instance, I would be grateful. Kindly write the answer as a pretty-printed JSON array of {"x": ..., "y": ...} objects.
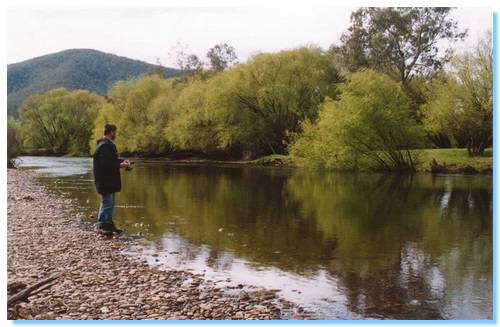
[{"x": 435, "y": 161}]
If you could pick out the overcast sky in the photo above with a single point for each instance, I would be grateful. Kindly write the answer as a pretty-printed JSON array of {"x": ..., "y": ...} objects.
[{"x": 147, "y": 34}]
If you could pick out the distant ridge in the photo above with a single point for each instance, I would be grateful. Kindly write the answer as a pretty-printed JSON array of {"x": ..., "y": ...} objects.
[{"x": 72, "y": 69}]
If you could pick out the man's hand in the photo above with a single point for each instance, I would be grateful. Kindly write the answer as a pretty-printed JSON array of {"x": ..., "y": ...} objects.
[{"x": 125, "y": 164}]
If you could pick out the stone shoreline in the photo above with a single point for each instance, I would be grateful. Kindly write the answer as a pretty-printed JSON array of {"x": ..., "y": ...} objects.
[{"x": 98, "y": 281}]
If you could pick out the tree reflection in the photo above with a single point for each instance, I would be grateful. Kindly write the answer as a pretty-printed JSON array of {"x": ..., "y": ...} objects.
[{"x": 398, "y": 235}]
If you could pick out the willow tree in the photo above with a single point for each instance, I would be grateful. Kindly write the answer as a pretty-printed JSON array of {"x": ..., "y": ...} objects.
[
  {"x": 203, "y": 118},
  {"x": 460, "y": 104},
  {"x": 191, "y": 126},
  {"x": 140, "y": 109},
  {"x": 59, "y": 121},
  {"x": 369, "y": 127},
  {"x": 280, "y": 90}
]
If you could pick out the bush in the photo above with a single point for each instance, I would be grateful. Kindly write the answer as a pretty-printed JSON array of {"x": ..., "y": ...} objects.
[
  {"x": 369, "y": 127},
  {"x": 59, "y": 121},
  {"x": 13, "y": 141}
]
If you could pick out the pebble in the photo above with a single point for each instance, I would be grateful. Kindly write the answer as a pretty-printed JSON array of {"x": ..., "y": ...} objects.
[{"x": 99, "y": 281}]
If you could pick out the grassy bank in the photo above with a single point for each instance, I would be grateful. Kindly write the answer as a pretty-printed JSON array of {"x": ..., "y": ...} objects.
[
  {"x": 454, "y": 160},
  {"x": 451, "y": 160}
]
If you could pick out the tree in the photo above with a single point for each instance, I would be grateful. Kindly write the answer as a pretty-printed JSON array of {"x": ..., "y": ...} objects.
[
  {"x": 370, "y": 126},
  {"x": 460, "y": 104},
  {"x": 59, "y": 121},
  {"x": 192, "y": 125},
  {"x": 141, "y": 109},
  {"x": 205, "y": 118},
  {"x": 280, "y": 90},
  {"x": 189, "y": 63},
  {"x": 221, "y": 56},
  {"x": 401, "y": 42},
  {"x": 254, "y": 106},
  {"x": 13, "y": 140}
]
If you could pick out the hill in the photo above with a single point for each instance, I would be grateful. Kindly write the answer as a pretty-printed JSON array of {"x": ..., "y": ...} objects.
[{"x": 72, "y": 69}]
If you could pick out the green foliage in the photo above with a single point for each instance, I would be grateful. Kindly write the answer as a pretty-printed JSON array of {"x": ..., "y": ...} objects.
[
  {"x": 319, "y": 146},
  {"x": 280, "y": 90},
  {"x": 13, "y": 140},
  {"x": 221, "y": 56},
  {"x": 205, "y": 117},
  {"x": 401, "y": 42},
  {"x": 252, "y": 106},
  {"x": 140, "y": 108},
  {"x": 292, "y": 101},
  {"x": 72, "y": 69},
  {"x": 370, "y": 126},
  {"x": 192, "y": 125},
  {"x": 59, "y": 121},
  {"x": 456, "y": 158},
  {"x": 461, "y": 102}
]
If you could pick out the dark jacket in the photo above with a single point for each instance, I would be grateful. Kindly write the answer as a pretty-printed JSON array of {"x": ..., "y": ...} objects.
[{"x": 106, "y": 167}]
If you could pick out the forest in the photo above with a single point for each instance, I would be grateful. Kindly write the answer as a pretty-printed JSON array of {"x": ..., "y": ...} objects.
[{"x": 374, "y": 101}]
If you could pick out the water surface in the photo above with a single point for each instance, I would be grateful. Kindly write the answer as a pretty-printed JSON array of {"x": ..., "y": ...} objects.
[{"x": 344, "y": 245}]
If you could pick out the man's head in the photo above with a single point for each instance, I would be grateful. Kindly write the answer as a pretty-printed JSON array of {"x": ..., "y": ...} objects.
[{"x": 110, "y": 131}]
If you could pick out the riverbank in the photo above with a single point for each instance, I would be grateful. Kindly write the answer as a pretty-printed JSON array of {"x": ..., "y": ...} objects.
[
  {"x": 456, "y": 161},
  {"x": 442, "y": 161},
  {"x": 98, "y": 281},
  {"x": 436, "y": 161}
]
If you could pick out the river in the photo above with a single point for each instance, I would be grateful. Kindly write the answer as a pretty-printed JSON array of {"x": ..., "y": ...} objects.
[{"x": 343, "y": 245}]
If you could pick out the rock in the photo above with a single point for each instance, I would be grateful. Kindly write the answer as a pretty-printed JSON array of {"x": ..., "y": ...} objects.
[
  {"x": 100, "y": 281},
  {"x": 414, "y": 302}
]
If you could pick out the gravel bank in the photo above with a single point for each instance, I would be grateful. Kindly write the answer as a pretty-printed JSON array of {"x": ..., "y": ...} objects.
[{"x": 98, "y": 281}]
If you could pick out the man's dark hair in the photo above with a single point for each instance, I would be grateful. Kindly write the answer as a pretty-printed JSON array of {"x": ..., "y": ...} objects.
[{"x": 109, "y": 128}]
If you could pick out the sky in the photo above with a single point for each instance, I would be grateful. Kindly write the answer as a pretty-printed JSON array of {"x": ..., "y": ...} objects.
[{"x": 150, "y": 34}]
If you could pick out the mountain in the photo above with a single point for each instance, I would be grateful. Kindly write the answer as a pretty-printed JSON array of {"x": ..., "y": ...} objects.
[{"x": 72, "y": 69}]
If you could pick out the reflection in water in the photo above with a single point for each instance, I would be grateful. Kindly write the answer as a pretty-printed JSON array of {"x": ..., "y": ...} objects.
[
  {"x": 348, "y": 245},
  {"x": 406, "y": 243}
]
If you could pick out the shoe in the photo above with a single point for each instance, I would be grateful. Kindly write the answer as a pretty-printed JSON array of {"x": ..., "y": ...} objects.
[
  {"x": 112, "y": 228},
  {"x": 104, "y": 228}
]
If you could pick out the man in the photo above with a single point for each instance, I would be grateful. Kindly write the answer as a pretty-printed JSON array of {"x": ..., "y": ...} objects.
[{"x": 107, "y": 178}]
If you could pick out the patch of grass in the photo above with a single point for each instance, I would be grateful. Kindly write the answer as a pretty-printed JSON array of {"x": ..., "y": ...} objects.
[{"x": 455, "y": 158}]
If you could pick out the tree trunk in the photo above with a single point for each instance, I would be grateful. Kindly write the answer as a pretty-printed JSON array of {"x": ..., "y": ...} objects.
[{"x": 475, "y": 149}]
